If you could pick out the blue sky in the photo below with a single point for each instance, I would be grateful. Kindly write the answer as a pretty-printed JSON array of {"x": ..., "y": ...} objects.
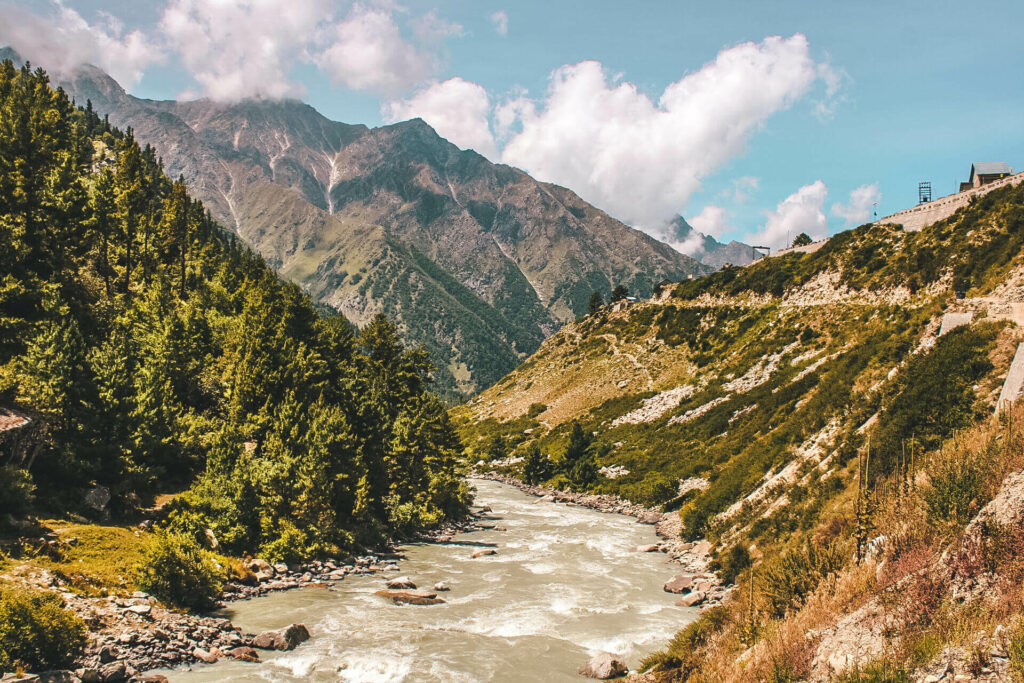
[{"x": 869, "y": 95}]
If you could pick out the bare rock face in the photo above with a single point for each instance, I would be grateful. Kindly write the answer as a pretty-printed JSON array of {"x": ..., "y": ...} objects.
[
  {"x": 604, "y": 666},
  {"x": 287, "y": 638}
]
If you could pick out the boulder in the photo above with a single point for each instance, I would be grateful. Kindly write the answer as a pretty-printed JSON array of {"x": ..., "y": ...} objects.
[
  {"x": 287, "y": 638},
  {"x": 257, "y": 565},
  {"x": 483, "y": 553},
  {"x": 485, "y": 508},
  {"x": 281, "y": 568},
  {"x": 204, "y": 656},
  {"x": 115, "y": 672},
  {"x": 442, "y": 586},
  {"x": 652, "y": 548},
  {"x": 410, "y": 597},
  {"x": 680, "y": 583},
  {"x": 88, "y": 675},
  {"x": 401, "y": 582},
  {"x": 704, "y": 586},
  {"x": 244, "y": 654},
  {"x": 604, "y": 666},
  {"x": 652, "y": 517},
  {"x": 141, "y": 610},
  {"x": 97, "y": 498},
  {"x": 691, "y": 599}
]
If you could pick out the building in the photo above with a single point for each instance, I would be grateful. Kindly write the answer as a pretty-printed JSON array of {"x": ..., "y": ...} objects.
[{"x": 984, "y": 172}]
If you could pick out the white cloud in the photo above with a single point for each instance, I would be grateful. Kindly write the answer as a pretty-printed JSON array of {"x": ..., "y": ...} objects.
[
  {"x": 367, "y": 52},
  {"x": 500, "y": 21},
  {"x": 64, "y": 40},
  {"x": 800, "y": 212},
  {"x": 862, "y": 201},
  {"x": 242, "y": 48},
  {"x": 712, "y": 220},
  {"x": 742, "y": 188},
  {"x": 640, "y": 160},
  {"x": 692, "y": 245},
  {"x": 457, "y": 109}
]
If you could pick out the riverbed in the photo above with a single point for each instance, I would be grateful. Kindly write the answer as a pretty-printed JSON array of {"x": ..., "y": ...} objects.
[{"x": 566, "y": 583}]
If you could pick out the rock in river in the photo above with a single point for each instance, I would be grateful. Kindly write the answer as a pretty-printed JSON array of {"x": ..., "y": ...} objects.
[
  {"x": 484, "y": 553},
  {"x": 680, "y": 583},
  {"x": 401, "y": 583},
  {"x": 410, "y": 597},
  {"x": 284, "y": 639},
  {"x": 604, "y": 666}
]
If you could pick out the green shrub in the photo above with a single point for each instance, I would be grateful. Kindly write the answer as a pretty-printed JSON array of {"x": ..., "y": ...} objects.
[
  {"x": 1015, "y": 650},
  {"x": 956, "y": 484},
  {"x": 682, "y": 649},
  {"x": 536, "y": 409},
  {"x": 786, "y": 581},
  {"x": 730, "y": 564},
  {"x": 178, "y": 571},
  {"x": 16, "y": 490},
  {"x": 654, "y": 489},
  {"x": 36, "y": 632}
]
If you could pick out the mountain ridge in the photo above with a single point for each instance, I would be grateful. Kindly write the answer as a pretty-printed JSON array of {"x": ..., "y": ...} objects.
[{"x": 337, "y": 208}]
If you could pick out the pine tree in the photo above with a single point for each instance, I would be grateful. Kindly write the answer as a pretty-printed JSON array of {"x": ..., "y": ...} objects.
[
  {"x": 537, "y": 467},
  {"x": 595, "y": 303}
]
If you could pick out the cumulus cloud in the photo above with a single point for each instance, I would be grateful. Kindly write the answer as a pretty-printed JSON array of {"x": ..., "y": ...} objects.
[
  {"x": 457, "y": 109},
  {"x": 800, "y": 212},
  {"x": 500, "y": 21},
  {"x": 242, "y": 48},
  {"x": 862, "y": 201},
  {"x": 641, "y": 160},
  {"x": 367, "y": 52},
  {"x": 64, "y": 40},
  {"x": 712, "y": 220}
]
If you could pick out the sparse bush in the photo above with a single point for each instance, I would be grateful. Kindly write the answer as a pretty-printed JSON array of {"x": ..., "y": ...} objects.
[
  {"x": 956, "y": 484},
  {"x": 178, "y": 571},
  {"x": 786, "y": 581},
  {"x": 535, "y": 410},
  {"x": 36, "y": 632},
  {"x": 1015, "y": 651},
  {"x": 683, "y": 649},
  {"x": 654, "y": 489}
]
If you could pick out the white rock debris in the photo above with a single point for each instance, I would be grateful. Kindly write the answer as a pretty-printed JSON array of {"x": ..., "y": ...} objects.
[
  {"x": 760, "y": 373},
  {"x": 699, "y": 410},
  {"x": 654, "y": 407},
  {"x": 613, "y": 471}
]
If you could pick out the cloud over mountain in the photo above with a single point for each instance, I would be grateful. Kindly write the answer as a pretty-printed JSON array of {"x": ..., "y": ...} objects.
[{"x": 800, "y": 212}]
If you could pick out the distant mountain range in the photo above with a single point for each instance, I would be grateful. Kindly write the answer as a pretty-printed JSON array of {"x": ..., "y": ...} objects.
[
  {"x": 708, "y": 250},
  {"x": 477, "y": 261}
]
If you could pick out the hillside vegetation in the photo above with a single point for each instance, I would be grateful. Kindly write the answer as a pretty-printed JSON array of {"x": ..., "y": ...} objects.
[
  {"x": 781, "y": 408},
  {"x": 154, "y": 354}
]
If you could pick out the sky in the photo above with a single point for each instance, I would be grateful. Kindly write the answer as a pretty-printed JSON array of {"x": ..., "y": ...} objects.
[{"x": 754, "y": 119}]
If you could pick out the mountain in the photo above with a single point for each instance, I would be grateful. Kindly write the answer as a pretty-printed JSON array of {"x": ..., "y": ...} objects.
[
  {"x": 837, "y": 425},
  {"x": 706, "y": 248},
  {"x": 477, "y": 261}
]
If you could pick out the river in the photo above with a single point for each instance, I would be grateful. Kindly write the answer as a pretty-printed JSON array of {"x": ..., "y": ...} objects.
[{"x": 567, "y": 583}]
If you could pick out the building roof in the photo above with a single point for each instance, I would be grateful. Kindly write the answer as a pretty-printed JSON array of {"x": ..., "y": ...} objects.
[
  {"x": 990, "y": 168},
  {"x": 11, "y": 420}
]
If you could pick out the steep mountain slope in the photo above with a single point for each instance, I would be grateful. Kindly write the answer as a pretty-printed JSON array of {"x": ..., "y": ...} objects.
[
  {"x": 772, "y": 404},
  {"x": 475, "y": 260}
]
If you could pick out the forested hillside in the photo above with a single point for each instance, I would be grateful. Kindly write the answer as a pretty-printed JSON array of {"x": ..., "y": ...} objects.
[{"x": 152, "y": 353}]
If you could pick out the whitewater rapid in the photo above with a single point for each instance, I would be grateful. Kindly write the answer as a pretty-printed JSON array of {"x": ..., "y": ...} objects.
[{"x": 567, "y": 583}]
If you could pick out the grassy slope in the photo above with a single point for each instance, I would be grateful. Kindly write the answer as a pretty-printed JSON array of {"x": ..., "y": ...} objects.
[{"x": 832, "y": 349}]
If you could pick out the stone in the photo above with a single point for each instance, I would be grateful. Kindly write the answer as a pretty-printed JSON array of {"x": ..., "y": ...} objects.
[
  {"x": 652, "y": 517},
  {"x": 151, "y": 678},
  {"x": 88, "y": 675},
  {"x": 257, "y": 565},
  {"x": 115, "y": 672},
  {"x": 97, "y": 498},
  {"x": 652, "y": 548},
  {"x": 483, "y": 553},
  {"x": 704, "y": 586},
  {"x": 244, "y": 654},
  {"x": 141, "y": 610},
  {"x": 485, "y": 508},
  {"x": 680, "y": 583},
  {"x": 281, "y": 568},
  {"x": 410, "y": 597},
  {"x": 107, "y": 654},
  {"x": 442, "y": 586},
  {"x": 401, "y": 582},
  {"x": 211, "y": 539},
  {"x": 691, "y": 599},
  {"x": 287, "y": 638},
  {"x": 604, "y": 666},
  {"x": 204, "y": 656}
]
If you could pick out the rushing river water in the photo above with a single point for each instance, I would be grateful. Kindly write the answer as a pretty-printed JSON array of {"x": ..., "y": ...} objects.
[{"x": 567, "y": 583}]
